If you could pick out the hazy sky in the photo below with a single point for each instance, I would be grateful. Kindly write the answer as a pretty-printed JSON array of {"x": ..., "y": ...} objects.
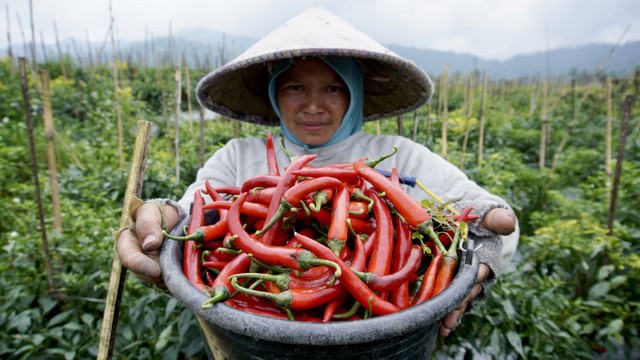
[{"x": 496, "y": 29}]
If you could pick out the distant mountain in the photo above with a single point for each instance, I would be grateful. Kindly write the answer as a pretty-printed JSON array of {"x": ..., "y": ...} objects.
[
  {"x": 562, "y": 61},
  {"x": 205, "y": 47}
]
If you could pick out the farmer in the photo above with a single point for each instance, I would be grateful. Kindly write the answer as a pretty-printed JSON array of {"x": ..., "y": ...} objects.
[{"x": 319, "y": 79}]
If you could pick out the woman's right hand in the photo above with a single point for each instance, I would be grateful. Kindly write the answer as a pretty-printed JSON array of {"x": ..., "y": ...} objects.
[{"x": 140, "y": 253}]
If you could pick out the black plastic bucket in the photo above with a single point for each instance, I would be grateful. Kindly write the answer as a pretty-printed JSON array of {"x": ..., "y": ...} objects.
[{"x": 235, "y": 334}]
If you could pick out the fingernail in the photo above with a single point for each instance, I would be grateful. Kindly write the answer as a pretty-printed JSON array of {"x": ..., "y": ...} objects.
[{"x": 148, "y": 241}]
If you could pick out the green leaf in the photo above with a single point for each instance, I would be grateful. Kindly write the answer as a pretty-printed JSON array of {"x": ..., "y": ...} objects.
[
  {"x": 605, "y": 271},
  {"x": 509, "y": 311},
  {"x": 21, "y": 322},
  {"x": 60, "y": 318},
  {"x": 515, "y": 341},
  {"x": 618, "y": 280},
  {"x": 46, "y": 303},
  {"x": 70, "y": 355},
  {"x": 164, "y": 337},
  {"x": 171, "y": 306},
  {"x": 599, "y": 290},
  {"x": 613, "y": 328},
  {"x": 87, "y": 319}
]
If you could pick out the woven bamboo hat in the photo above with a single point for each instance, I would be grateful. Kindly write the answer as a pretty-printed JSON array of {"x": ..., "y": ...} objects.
[{"x": 392, "y": 84}]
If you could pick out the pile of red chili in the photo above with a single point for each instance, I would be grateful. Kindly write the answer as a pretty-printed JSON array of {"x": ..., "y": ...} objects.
[{"x": 336, "y": 242}]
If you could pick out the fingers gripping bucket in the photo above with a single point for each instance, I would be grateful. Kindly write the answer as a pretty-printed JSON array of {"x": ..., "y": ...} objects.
[{"x": 235, "y": 334}]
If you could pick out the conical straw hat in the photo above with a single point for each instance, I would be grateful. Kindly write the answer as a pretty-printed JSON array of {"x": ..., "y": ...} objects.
[{"x": 392, "y": 85}]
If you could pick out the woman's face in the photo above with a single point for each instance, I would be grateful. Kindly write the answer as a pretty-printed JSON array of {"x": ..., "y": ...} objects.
[{"x": 312, "y": 99}]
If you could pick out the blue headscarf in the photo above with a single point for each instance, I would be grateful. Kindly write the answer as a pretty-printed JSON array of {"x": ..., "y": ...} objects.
[{"x": 349, "y": 70}]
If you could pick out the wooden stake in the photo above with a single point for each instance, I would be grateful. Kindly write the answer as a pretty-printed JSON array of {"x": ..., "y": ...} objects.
[
  {"x": 481, "y": 118},
  {"x": 36, "y": 181},
  {"x": 445, "y": 110},
  {"x": 9, "y": 49},
  {"x": 34, "y": 57},
  {"x": 176, "y": 140},
  {"x": 624, "y": 131},
  {"x": 400, "y": 121},
  {"x": 201, "y": 151},
  {"x": 44, "y": 48},
  {"x": 188, "y": 85},
  {"x": 118, "y": 272},
  {"x": 470, "y": 97},
  {"x": 608, "y": 140},
  {"x": 60, "y": 57},
  {"x": 26, "y": 52},
  {"x": 543, "y": 125},
  {"x": 415, "y": 122},
  {"x": 116, "y": 90},
  {"x": 47, "y": 117},
  {"x": 90, "y": 53}
]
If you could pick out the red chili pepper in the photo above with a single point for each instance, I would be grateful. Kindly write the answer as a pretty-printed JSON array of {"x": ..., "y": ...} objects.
[
  {"x": 361, "y": 226},
  {"x": 410, "y": 209},
  {"x": 191, "y": 259},
  {"x": 261, "y": 196},
  {"x": 293, "y": 258},
  {"x": 380, "y": 261},
  {"x": 271, "y": 156},
  {"x": 248, "y": 208},
  {"x": 370, "y": 244},
  {"x": 215, "y": 264},
  {"x": 332, "y": 306},
  {"x": 391, "y": 281},
  {"x": 261, "y": 181},
  {"x": 401, "y": 251},
  {"x": 349, "y": 280},
  {"x": 358, "y": 210},
  {"x": 446, "y": 271},
  {"x": 234, "y": 303},
  {"x": 348, "y": 176},
  {"x": 428, "y": 281},
  {"x": 231, "y": 190},
  {"x": 338, "y": 230},
  {"x": 221, "y": 289}
]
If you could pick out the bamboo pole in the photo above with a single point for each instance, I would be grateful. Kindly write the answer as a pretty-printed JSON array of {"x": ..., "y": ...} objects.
[
  {"x": 116, "y": 90},
  {"x": 34, "y": 57},
  {"x": 188, "y": 89},
  {"x": 543, "y": 125},
  {"x": 415, "y": 122},
  {"x": 45, "y": 57},
  {"x": 400, "y": 121},
  {"x": 47, "y": 117},
  {"x": 36, "y": 181},
  {"x": 624, "y": 131},
  {"x": 60, "y": 57},
  {"x": 118, "y": 272},
  {"x": 378, "y": 127},
  {"x": 572, "y": 122},
  {"x": 445, "y": 110},
  {"x": 470, "y": 102},
  {"x": 176, "y": 139},
  {"x": 89, "y": 52},
  {"x": 608, "y": 140},
  {"x": 9, "y": 48},
  {"x": 34, "y": 76},
  {"x": 201, "y": 151},
  {"x": 481, "y": 118}
]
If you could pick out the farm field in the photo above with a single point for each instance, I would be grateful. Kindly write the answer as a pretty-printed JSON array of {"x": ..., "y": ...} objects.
[{"x": 564, "y": 152}]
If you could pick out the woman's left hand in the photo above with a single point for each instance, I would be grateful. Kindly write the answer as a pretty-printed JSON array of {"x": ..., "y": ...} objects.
[
  {"x": 501, "y": 221},
  {"x": 451, "y": 321}
]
